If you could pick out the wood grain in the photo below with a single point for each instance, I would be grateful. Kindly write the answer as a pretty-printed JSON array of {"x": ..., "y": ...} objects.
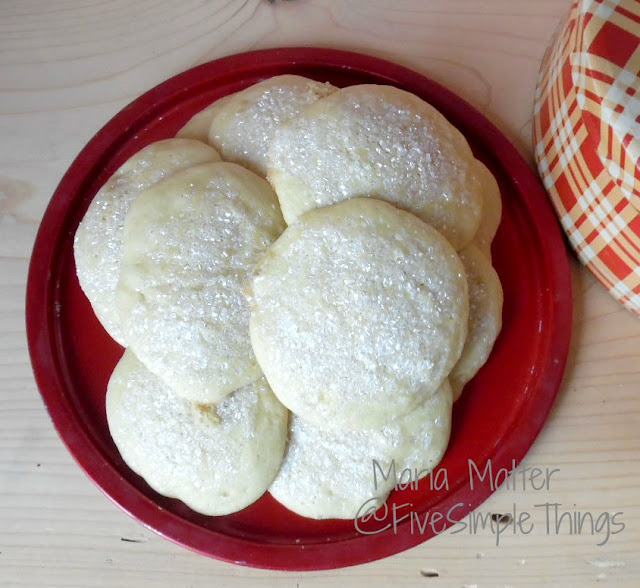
[{"x": 66, "y": 67}]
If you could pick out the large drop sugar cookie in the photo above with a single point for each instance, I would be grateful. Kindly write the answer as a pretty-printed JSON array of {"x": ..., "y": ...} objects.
[
  {"x": 485, "y": 316},
  {"x": 189, "y": 245},
  {"x": 358, "y": 313},
  {"x": 343, "y": 474},
  {"x": 380, "y": 142},
  {"x": 491, "y": 211},
  {"x": 243, "y": 124},
  {"x": 217, "y": 459},
  {"x": 197, "y": 127},
  {"x": 98, "y": 240}
]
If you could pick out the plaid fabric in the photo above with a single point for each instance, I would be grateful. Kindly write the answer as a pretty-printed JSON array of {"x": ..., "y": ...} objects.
[{"x": 587, "y": 138}]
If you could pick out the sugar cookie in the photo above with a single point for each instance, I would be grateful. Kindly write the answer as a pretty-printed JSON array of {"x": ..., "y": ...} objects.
[
  {"x": 197, "y": 127},
  {"x": 189, "y": 244},
  {"x": 332, "y": 474},
  {"x": 381, "y": 142},
  {"x": 485, "y": 316},
  {"x": 242, "y": 125},
  {"x": 98, "y": 240},
  {"x": 491, "y": 211},
  {"x": 217, "y": 459},
  {"x": 358, "y": 313}
]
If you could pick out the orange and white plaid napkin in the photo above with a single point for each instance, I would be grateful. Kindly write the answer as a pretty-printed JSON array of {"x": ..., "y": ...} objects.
[{"x": 587, "y": 138}]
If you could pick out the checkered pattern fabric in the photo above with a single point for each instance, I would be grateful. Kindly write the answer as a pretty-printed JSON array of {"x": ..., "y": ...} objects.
[{"x": 587, "y": 138}]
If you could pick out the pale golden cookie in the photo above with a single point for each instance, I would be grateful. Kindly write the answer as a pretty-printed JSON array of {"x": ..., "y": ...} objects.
[
  {"x": 485, "y": 316},
  {"x": 189, "y": 245},
  {"x": 243, "y": 124},
  {"x": 358, "y": 313},
  {"x": 380, "y": 142},
  {"x": 332, "y": 474},
  {"x": 98, "y": 240},
  {"x": 491, "y": 211},
  {"x": 197, "y": 127},
  {"x": 217, "y": 459}
]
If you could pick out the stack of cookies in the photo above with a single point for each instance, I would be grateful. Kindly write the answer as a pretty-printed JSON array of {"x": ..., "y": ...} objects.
[{"x": 310, "y": 305}]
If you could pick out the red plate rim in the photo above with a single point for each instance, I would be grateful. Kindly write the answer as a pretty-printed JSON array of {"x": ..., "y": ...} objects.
[{"x": 43, "y": 338}]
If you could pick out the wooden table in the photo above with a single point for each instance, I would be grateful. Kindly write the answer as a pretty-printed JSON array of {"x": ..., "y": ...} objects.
[{"x": 66, "y": 67}]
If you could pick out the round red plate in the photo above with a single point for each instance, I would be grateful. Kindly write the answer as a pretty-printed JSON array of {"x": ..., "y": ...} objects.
[{"x": 498, "y": 417}]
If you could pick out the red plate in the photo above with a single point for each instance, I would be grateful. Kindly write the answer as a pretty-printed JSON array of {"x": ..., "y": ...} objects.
[{"x": 498, "y": 417}]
